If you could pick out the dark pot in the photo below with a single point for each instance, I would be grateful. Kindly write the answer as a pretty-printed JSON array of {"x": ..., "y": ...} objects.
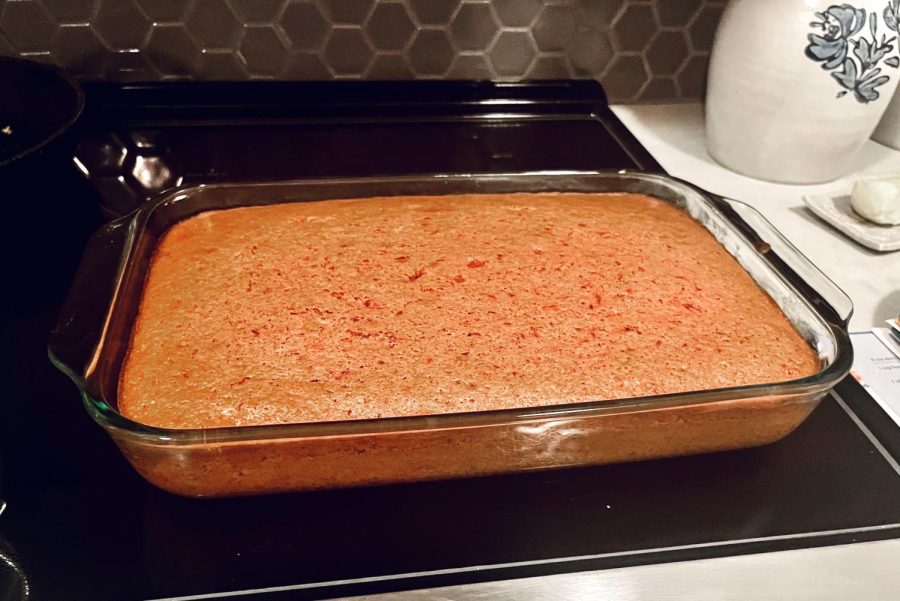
[{"x": 40, "y": 107}]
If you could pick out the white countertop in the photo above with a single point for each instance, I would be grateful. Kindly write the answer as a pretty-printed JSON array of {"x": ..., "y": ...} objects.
[
  {"x": 675, "y": 136},
  {"x": 862, "y": 571}
]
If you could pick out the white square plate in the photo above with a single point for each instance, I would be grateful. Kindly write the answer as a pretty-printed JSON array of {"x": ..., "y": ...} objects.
[{"x": 837, "y": 211}]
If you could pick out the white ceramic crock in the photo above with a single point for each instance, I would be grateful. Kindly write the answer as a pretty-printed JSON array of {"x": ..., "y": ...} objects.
[
  {"x": 796, "y": 87},
  {"x": 888, "y": 130}
]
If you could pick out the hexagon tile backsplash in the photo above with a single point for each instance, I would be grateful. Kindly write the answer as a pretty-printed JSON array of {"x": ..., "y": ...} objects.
[{"x": 641, "y": 50}]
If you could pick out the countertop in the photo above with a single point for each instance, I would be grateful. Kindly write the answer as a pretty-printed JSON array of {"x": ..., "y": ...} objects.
[
  {"x": 675, "y": 136},
  {"x": 865, "y": 571}
]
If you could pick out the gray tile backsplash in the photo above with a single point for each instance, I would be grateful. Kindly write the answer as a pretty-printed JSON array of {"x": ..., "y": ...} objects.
[{"x": 642, "y": 50}]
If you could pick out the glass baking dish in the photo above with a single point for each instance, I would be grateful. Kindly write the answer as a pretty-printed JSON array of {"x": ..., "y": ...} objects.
[{"x": 93, "y": 331}]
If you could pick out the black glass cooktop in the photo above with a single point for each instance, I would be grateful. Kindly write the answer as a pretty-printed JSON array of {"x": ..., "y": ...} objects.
[{"x": 80, "y": 524}]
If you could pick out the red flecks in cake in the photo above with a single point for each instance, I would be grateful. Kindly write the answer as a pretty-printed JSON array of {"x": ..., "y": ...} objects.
[{"x": 420, "y": 305}]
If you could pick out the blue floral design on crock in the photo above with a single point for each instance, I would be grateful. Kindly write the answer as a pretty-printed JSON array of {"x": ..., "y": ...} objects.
[{"x": 853, "y": 61}]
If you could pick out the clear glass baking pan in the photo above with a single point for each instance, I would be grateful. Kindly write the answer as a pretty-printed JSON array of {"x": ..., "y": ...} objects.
[{"x": 93, "y": 331}]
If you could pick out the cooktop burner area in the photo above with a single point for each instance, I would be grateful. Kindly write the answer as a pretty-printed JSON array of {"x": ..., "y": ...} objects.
[
  {"x": 80, "y": 523},
  {"x": 151, "y": 138}
]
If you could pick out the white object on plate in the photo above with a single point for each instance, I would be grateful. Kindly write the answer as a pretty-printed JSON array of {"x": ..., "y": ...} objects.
[
  {"x": 877, "y": 199},
  {"x": 838, "y": 212}
]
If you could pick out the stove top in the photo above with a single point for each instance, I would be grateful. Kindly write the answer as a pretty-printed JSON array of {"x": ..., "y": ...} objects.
[
  {"x": 153, "y": 138},
  {"x": 81, "y": 524}
]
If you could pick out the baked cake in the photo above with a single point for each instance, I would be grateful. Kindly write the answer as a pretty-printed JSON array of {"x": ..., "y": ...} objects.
[{"x": 384, "y": 307}]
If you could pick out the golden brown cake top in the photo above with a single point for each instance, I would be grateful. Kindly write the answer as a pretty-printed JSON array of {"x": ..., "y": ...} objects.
[{"x": 387, "y": 307}]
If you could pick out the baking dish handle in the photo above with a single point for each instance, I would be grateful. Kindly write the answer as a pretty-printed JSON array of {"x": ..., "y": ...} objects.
[
  {"x": 81, "y": 320},
  {"x": 817, "y": 287}
]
